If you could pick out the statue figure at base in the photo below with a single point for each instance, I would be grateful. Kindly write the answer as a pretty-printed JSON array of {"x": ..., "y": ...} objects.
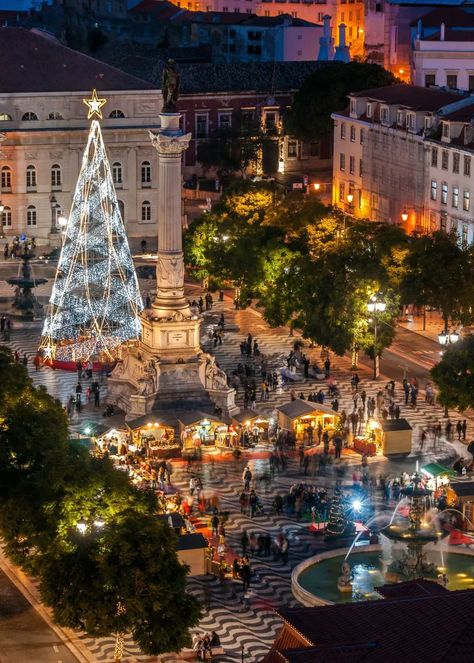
[
  {"x": 344, "y": 582},
  {"x": 170, "y": 87}
]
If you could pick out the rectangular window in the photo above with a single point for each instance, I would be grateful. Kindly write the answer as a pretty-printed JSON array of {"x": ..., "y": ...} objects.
[
  {"x": 225, "y": 121},
  {"x": 434, "y": 189},
  {"x": 465, "y": 236},
  {"x": 466, "y": 201},
  {"x": 455, "y": 197},
  {"x": 400, "y": 118},
  {"x": 342, "y": 162},
  {"x": 434, "y": 157},
  {"x": 342, "y": 189},
  {"x": 343, "y": 131},
  {"x": 452, "y": 81},
  {"x": 353, "y": 107},
  {"x": 443, "y": 223},
  {"x": 444, "y": 193},
  {"x": 384, "y": 115},
  {"x": 467, "y": 166},
  {"x": 270, "y": 120},
  {"x": 352, "y": 165},
  {"x": 430, "y": 79},
  {"x": 411, "y": 121},
  {"x": 292, "y": 149},
  {"x": 6, "y": 179},
  {"x": 201, "y": 126},
  {"x": 31, "y": 178},
  {"x": 445, "y": 129},
  {"x": 369, "y": 110},
  {"x": 456, "y": 160},
  {"x": 353, "y": 134},
  {"x": 445, "y": 159}
]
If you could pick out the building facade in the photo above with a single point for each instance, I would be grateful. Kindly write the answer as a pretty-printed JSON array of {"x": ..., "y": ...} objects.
[
  {"x": 381, "y": 152},
  {"x": 44, "y": 128},
  {"x": 450, "y": 183}
]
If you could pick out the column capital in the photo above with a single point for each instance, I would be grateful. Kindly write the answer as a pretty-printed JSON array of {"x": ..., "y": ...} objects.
[{"x": 169, "y": 144}]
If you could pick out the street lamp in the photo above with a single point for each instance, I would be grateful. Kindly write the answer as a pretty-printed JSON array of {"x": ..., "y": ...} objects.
[
  {"x": 62, "y": 223},
  {"x": 376, "y": 306},
  {"x": 350, "y": 198},
  {"x": 446, "y": 338},
  {"x": 404, "y": 216}
]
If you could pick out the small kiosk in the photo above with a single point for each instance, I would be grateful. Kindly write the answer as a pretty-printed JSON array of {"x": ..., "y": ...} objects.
[
  {"x": 464, "y": 492},
  {"x": 197, "y": 429},
  {"x": 298, "y": 416},
  {"x": 251, "y": 427},
  {"x": 152, "y": 438},
  {"x": 395, "y": 436},
  {"x": 115, "y": 441}
]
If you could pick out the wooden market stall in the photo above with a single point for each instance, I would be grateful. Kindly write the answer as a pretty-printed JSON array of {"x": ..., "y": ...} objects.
[
  {"x": 251, "y": 427},
  {"x": 464, "y": 492},
  {"x": 153, "y": 438},
  {"x": 115, "y": 441},
  {"x": 395, "y": 436},
  {"x": 298, "y": 416},
  {"x": 198, "y": 429}
]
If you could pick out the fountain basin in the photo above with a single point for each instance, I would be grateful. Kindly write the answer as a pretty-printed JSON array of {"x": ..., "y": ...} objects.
[{"x": 314, "y": 581}]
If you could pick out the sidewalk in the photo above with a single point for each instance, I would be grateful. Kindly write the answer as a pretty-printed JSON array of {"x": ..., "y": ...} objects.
[{"x": 434, "y": 324}]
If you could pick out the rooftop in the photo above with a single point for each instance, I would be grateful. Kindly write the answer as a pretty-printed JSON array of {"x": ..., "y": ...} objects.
[
  {"x": 410, "y": 96},
  {"x": 395, "y": 629},
  {"x": 464, "y": 114},
  {"x": 452, "y": 16},
  {"x": 452, "y": 34},
  {"x": 34, "y": 61}
]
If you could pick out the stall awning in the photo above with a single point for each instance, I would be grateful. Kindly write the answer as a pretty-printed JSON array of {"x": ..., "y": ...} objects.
[
  {"x": 437, "y": 470},
  {"x": 195, "y": 416},
  {"x": 247, "y": 415},
  {"x": 142, "y": 422},
  {"x": 299, "y": 408}
]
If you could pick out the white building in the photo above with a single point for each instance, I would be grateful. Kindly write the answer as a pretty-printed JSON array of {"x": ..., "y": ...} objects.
[
  {"x": 450, "y": 190},
  {"x": 380, "y": 152},
  {"x": 44, "y": 127}
]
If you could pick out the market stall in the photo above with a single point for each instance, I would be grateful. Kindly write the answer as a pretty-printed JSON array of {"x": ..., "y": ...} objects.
[
  {"x": 251, "y": 427},
  {"x": 395, "y": 436},
  {"x": 115, "y": 441},
  {"x": 304, "y": 417},
  {"x": 369, "y": 442},
  {"x": 438, "y": 479},
  {"x": 464, "y": 493},
  {"x": 197, "y": 429},
  {"x": 152, "y": 438}
]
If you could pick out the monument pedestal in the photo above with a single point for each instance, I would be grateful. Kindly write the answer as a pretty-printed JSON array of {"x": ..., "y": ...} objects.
[{"x": 168, "y": 370}]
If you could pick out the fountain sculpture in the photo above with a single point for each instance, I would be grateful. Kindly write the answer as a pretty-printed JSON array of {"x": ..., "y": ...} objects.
[
  {"x": 415, "y": 535},
  {"x": 25, "y": 305}
]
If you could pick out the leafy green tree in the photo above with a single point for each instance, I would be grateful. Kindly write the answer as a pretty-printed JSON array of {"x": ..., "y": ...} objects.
[
  {"x": 325, "y": 91},
  {"x": 440, "y": 273},
  {"x": 454, "y": 375},
  {"x": 125, "y": 579}
]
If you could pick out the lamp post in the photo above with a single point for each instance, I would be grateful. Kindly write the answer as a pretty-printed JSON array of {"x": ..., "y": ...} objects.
[
  {"x": 376, "y": 306},
  {"x": 404, "y": 216},
  {"x": 446, "y": 338},
  {"x": 54, "y": 214}
]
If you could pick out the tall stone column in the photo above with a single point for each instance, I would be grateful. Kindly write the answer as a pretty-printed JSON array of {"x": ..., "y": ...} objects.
[{"x": 170, "y": 144}]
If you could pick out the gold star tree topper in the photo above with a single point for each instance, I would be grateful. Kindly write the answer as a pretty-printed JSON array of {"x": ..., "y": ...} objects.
[{"x": 94, "y": 104}]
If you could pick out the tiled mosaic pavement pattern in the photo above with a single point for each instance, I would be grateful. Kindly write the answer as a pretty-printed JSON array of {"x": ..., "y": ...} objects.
[{"x": 251, "y": 627}]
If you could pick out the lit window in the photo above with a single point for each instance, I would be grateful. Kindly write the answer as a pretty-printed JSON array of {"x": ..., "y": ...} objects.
[
  {"x": 55, "y": 116},
  {"x": 369, "y": 110},
  {"x": 28, "y": 117},
  {"x": 116, "y": 114},
  {"x": 352, "y": 165},
  {"x": 353, "y": 134},
  {"x": 455, "y": 197},
  {"x": 343, "y": 131},
  {"x": 466, "y": 201},
  {"x": 31, "y": 216},
  {"x": 146, "y": 174},
  {"x": 4, "y": 117},
  {"x": 55, "y": 176},
  {"x": 31, "y": 177},
  {"x": 146, "y": 211},
  {"x": 7, "y": 216},
  {"x": 117, "y": 173},
  {"x": 444, "y": 193},
  {"x": 434, "y": 189},
  {"x": 342, "y": 162},
  {"x": 6, "y": 178}
]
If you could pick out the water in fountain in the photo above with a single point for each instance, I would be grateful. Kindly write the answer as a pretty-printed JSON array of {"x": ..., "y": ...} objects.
[{"x": 373, "y": 518}]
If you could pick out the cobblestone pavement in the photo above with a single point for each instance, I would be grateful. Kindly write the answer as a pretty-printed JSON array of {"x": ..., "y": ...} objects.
[{"x": 246, "y": 627}]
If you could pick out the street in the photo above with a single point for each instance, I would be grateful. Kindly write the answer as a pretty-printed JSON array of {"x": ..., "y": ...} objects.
[{"x": 24, "y": 635}]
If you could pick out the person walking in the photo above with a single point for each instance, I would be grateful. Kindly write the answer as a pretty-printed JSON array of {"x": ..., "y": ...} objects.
[
  {"x": 247, "y": 478},
  {"x": 214, "y": 525},
  {"x": 464, "y": 429},
  {"x": 459, "y": 429}
]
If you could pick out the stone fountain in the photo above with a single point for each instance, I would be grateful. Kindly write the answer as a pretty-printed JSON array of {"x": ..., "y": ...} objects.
[
  {"x": 25, "y": 305},
  {"x": 415, "y": 535}
]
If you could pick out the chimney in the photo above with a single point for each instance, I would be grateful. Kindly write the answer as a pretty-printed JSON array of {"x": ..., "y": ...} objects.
[
  {"x": 442, "y": 32},
  {"x": 419, "y": 29},
  {"x": 342, "y": 51},
  {"x": 325, "y": 42}
]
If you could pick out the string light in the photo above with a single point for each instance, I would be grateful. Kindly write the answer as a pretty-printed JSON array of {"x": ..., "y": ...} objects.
[{"x": 95, "y": 301}]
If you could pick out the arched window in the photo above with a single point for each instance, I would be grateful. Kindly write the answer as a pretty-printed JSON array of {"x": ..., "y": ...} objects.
[
  {"x": 6, "y": 178},
  {"x": 54, "y": 115},
  {"x": 30, "y": 177},
  {"x": 27, "y": 117},
  {"x": 7, "y": 217},
  {"x": 4, "y": 117},
  {"x": 116, "y": 113},
  {"x": 31, "y": 216},
  {"x": 117, "y": 173},
  {"x": 146, "y": 211},
  {"x": 146, "y": 174},
  {"x": 55, "y": 176}
]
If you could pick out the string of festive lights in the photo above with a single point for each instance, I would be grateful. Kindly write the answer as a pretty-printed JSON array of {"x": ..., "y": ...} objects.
[{"x": 95, "y": 300}]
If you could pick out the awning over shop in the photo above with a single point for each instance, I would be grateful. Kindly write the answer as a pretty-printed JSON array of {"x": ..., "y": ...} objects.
[
  {"x": 247, "y": 415},
  {"x": 436, "y": 470},
  {"x": 194, "y": 417}
]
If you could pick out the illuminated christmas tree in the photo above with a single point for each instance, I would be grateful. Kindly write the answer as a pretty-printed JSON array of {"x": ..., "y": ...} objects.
[
  {"x": 338, "y": 523},
  {"x": 95, "y": 301}
]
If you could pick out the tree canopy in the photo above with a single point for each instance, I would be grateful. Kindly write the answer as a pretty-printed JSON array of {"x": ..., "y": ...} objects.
[
  {"x": 454, "y": 375},
  {"x": 325, "y": 91}
]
